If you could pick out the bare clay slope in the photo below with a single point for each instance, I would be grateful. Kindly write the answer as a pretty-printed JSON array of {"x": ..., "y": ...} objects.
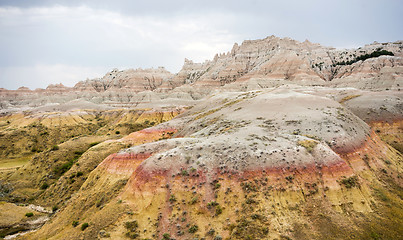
[{"x": 273, "y": 164}]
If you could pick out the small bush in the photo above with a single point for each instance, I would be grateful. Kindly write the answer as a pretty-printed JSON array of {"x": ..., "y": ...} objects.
[
  {"x": 44, "y": 186},
  {"x": 74, "y": 223},
  {"x": 132, "y": 226},
  {"x": 218, "y": 210},
  {"x": 55, "y": 147},
  {"x": 99, "y": 202},
  {"x": 172, "y": 198},
  {"x": 350, "y": 182},
  {"x": 79, "y": 174},
  {"x": 55, "y": 208},
  {"x": 84, "y": 226},
  {"x": 193, "y": 229},
  {"x": 132, "y": 235},
  {"x": 212, "y": 204},
  {"x": 117, "y": 132},
  {"x": 289, "y": 178},
  {"x": 29, "y": 214},
  {"x": 211, "y": 231},
  {"x": 194, "y": 200},
  {"x": 309, "y": 145},
  {"x": 184, "y": 173},
  {"x": 166, "y": 236}
]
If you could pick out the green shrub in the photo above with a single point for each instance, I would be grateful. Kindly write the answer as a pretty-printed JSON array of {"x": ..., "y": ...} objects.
[
  {"x": 74, "y": 223},
  {"x": 79, "y": 174},
  {"x": 350, "y": 181},
  {"x": 193, "y": 229},
  {"x": 194, "y": 200},
  {"x": 172, "y": 198},
  {"x": 55, "y": 147},
  {"x": 132, "y": 235},
  {"x": 212, "y": 204},
  {"x": 44, "y": 186},
  {"x": 29, "y": 214},
  {"x": 218, "y": 210},
  {"x": 54, "y": 208},
  {"x": 84, "y": 226},
  {"x": 132, "y": 226},
  {"x": 166, "y": 236},
  {"x": 117, "y": 132}
]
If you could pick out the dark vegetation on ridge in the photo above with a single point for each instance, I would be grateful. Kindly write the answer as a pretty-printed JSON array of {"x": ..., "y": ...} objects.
[{"x": 364, "y": 57}]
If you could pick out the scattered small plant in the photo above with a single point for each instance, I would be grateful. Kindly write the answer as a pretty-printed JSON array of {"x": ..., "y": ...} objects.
[
  {"x": 193, "y": 229},
  {"x": 29, "y": 214},
  {"x": 132, "y": 226},
  {"x": 350, "y": 181},
  {"x": 218, "y": 210},
  {"x": 55, "y": 208},
  {"x": 166, "y": 236},
  {"x": 212, "y": 204},
  {"x": 44, "y": 186},
  {"x": 84, "y": 226},
  {"x": 172, "y": 198},
  {"x": 194, "y": 200},
  {"x": 55, "y": 147},
  {"x": 309, "y": 145},
  {"x": 74, "y": 223},
  {"x": 289, "y": 178},
  {"x": 117, "y": 132}
]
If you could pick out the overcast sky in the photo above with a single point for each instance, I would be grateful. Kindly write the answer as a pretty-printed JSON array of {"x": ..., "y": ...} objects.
[{"x": 52, "y": 41}]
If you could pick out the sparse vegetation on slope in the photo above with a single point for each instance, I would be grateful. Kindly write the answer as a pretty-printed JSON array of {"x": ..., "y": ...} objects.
[{"x": 377, "y": 53}]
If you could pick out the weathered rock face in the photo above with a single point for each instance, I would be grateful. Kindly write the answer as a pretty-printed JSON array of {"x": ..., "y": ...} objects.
[
  {"x": 134, "y": 80},
  {"x": 274, "y": 61},
  {"x": 255, "y": 64}
]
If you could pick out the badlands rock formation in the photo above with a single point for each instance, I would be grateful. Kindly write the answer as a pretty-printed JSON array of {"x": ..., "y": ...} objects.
[{"x": 276, "y": 139}]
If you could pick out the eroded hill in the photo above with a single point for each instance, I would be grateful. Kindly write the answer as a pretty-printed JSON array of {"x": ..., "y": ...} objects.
[{"x": 275, "y": 140}]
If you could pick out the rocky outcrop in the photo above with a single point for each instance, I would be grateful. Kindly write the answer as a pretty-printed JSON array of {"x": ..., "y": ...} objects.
[
  {"x": 133, "y": 80},
  {"x": 273, "y": 61}
]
